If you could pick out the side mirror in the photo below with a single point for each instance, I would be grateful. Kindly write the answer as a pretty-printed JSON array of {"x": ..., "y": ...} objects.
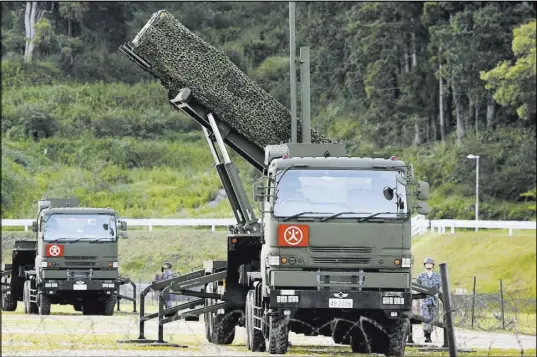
[
  {"x": 35, "y": 228},
  {"x": 123, "y": 226},
  {"x": 422, "y": 208},
  {"x": 388, "y": 193},
  {"x": 423, "y": 191},
  {"x": 259, "y": 192}
]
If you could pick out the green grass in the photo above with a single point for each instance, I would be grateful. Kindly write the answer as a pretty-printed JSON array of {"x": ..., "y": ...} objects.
[{"x": 489, "y": 255}]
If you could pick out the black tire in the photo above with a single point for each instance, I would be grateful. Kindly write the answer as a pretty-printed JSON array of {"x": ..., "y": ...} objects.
[
  {"x": 44, "y": 305},
  {"x": 341, "y": 332},
  {"x": 397, "y": 333},
  {"x": 223, "y": 329},
  {"x": 361, "y": 342},
  {"x": 256, "y": 339},
  {"x": 109, "y": 305},
  {"x": 77, "y": 307},
  {"x": 9, "y": 303},
  {"x": 89, "y": 308},
  {"x": 277, "y": 340}
]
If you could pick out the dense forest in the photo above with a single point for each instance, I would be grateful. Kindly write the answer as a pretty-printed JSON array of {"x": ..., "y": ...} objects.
[{"x": 429, "y": 82}]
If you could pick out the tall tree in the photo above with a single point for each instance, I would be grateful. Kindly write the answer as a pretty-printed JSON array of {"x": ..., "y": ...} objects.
[{"x": 32, "y": 15}]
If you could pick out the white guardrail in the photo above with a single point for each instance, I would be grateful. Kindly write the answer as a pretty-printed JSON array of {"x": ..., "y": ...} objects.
[{"x": 420, "y": 225}]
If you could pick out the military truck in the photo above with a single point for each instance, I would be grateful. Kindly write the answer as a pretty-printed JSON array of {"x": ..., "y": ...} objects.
[
  {"x": 72, "y": 261},
  {"x": 331, "y": 254}
]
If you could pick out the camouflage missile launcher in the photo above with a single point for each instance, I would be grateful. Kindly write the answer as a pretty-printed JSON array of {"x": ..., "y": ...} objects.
[{"x": 333, "y": 246}]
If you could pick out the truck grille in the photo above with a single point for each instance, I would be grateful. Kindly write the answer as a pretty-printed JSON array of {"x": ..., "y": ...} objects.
[
  {"x": 80, "y": 261},
  {"x": 341, "y": 260},
  {"x": 356, "y": 250},
  {"x": 80, "y": 264}
]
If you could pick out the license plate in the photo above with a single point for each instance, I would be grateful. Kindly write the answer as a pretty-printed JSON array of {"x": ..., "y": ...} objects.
[
  {"x": 340, "y": 303},
  {"x": 80, "y": 287}
]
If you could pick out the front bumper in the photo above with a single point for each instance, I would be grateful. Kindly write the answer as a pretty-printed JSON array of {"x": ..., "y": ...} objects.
[
  {"x": 344, "y": 300},
  {"x": 78, "y": 285}
]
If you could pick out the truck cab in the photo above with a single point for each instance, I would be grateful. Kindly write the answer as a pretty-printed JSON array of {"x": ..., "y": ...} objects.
[
  {"x": 337, "y": 242},
  {"x": 76, "y": 261}
]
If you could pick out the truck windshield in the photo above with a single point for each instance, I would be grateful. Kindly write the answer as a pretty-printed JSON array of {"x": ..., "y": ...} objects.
[
  {"x": 68, "y": 227},
  {"x": 328, "y": 192}
]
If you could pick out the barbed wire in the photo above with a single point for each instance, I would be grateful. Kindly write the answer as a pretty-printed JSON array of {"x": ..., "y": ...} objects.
[{"x": 66, "y": 332}]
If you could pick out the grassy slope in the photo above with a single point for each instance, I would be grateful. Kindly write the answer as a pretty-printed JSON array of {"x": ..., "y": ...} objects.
[{"x": 489, "y": 255}]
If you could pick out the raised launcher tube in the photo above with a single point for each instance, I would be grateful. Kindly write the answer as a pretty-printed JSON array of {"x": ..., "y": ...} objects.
[{"x": 185, "y": 102}]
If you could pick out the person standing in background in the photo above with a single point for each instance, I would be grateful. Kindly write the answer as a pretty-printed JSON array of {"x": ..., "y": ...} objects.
[{"x": 429, "y": 305}]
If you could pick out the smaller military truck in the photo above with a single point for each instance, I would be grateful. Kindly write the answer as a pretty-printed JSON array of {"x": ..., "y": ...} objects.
[{"x": 72, "y": 261}]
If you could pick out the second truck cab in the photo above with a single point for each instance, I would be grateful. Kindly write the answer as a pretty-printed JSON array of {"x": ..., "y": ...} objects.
[{"x": 77, "y": 257}]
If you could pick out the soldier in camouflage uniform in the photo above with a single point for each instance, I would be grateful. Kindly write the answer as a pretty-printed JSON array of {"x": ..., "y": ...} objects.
[
  {"x": 429, "y": 305},
  {"x": 166, "y": 271}
]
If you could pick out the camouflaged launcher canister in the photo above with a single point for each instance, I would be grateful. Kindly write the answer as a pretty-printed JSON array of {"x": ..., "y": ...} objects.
[{"x": 182, "y": 59}]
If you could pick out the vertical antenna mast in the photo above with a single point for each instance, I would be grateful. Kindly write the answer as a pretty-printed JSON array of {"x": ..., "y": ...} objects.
[
  {"x": 305, "y": 89},
  {"x": 292, "y": 68}
]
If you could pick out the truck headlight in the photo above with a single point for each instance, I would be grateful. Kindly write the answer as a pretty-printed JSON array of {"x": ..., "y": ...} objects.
[
  {"x": 407, "y": 263},
  {"x": 115, "y": 264},
  {"x": 274, "y": 260}
]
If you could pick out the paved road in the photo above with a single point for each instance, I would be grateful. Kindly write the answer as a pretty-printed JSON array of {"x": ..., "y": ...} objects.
[{"x": 77, "y": 335}]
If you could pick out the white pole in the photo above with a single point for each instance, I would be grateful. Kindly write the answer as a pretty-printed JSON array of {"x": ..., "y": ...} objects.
[{"x": 477, "y": 193}]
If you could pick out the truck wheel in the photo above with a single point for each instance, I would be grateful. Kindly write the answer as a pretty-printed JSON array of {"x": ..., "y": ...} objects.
[
  {"x": 44, "y": 305},
  {"x": 77, "y": 307},
  {"x": 256, "y": 341},
  {"x": 223, "y": 329},
  {"x": 361, "y": 342},
  {"x": 397, "y": 333},
  {"x": 109, "y": 305},
  {"x": 89, "y": 309},
  {"x": 9, "y": 303},
  {"x": 278, "y": 334},
  {"x": 341, "y": 332}
]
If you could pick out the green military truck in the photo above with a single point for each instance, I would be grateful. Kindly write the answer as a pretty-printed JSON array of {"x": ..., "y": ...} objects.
[
  {"x": 72, "y": 261},
  {"x": 331, "y": 254}
]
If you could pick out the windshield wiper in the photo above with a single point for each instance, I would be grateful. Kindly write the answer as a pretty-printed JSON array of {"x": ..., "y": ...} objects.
[
  {"x": 98, "y": 239},
  {"x": 338, "y": 214},
  {"x": 67, "y": 240},
  {"x": 376, "y": 214},
  {"x": 298, "y": 215}
]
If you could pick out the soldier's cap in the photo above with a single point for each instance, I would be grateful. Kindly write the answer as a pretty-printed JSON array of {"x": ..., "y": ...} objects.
[
  {"x": 428, "y": 260},
  {"x": 167, "y": 265}
]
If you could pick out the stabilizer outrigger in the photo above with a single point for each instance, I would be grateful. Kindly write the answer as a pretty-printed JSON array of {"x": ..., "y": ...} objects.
[{"x": 181, "y": 284}]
